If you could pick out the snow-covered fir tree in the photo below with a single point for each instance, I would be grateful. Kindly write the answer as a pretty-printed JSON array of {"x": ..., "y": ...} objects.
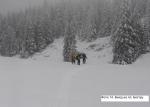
[
  {"x": 146, "y": 27},
  {"x": 128, "y": 42},
  {"x": 140, "y": 14},
  {"x": 8, "y": 43},
  {"x": 69, "y": 44},
  {"x": 31, "y": 46},
  {"x": 107, "y": 21},
  {"x": 70, "y": 37}
]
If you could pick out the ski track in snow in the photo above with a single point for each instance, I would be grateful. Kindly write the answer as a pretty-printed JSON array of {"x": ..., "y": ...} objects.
[{"x": 63, "y": 93}]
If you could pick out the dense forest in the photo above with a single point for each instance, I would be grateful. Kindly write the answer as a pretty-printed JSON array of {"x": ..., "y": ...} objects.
[{"x": 127, "y": 22}]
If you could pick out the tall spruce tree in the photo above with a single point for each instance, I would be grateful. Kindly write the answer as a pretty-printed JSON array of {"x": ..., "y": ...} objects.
[
  {"x": 69, "y": 39},
  {"x": 148, "y": 12},
  {"x": 128, "y": 42},
  {"x": 141, "y": 13},
  {"x": 146, "y": 27}
]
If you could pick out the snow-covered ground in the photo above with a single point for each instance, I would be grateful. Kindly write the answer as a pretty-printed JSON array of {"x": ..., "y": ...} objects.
[{"x": 46, "y": 81}]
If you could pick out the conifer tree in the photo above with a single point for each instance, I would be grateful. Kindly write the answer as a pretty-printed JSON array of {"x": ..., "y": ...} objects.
[
  {"x": 69, "y": 43},
  {"x": 146, "y": 27},
  {"x": 141, "y": 12},
  {"x": 128, "y": 38},
  {"x": 69, "y": 39}
]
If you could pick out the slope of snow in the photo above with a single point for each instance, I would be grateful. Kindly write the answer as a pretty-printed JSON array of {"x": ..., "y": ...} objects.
[
  {"x": 46, "y": 81},
  {"x": 97, "y": 51}
]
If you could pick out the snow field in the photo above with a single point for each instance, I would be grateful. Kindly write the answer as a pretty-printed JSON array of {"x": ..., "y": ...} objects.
[{"x": 46, "y": 81}]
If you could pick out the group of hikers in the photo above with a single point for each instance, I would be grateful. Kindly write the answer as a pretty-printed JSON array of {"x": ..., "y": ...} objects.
[{"x": 77, "y": 56}]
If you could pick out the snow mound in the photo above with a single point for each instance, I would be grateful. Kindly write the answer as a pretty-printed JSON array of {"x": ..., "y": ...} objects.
[
  {"x": 53, "y": 52},
  {"x": 99, "y": 50}
]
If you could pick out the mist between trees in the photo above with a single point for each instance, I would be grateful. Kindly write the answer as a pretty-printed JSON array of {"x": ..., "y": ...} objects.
[{"x": 127, "y": 22}]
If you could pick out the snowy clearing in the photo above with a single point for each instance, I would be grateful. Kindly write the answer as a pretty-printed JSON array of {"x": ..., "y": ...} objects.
[{"x": 46, "y": 81}]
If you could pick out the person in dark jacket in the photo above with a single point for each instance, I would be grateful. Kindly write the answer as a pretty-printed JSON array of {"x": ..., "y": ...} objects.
[{"x": 84, "y": 57}]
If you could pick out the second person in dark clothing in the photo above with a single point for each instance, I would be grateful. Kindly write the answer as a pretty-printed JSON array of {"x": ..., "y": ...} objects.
[{"x": 84, "y": 57}]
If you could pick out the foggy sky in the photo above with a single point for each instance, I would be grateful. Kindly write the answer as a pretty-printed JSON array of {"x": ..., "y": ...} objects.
[{"x": 16, "y": 5}]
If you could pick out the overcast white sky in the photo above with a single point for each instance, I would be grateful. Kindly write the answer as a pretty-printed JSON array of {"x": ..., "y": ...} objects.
[
  {"x": 16, "y": 5},
  {"x": 11, "y": 5}
]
